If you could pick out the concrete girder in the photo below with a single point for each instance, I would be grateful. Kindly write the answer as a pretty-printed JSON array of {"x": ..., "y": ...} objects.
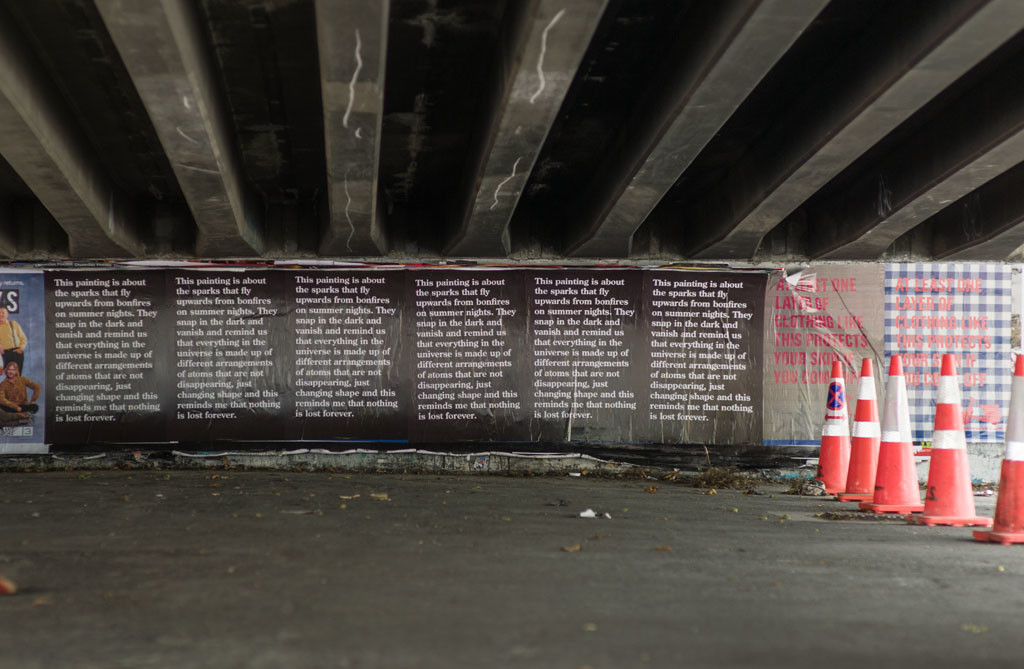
[
  {"x": 741, "y": 47},
  {"x": 41, "y": 141},
  {"x": 987, "y": 224},
  {"x": 750, "y": 202},
  {"x": 544, "y": 47},
  {"x": 38, "y": 235},
  {"x": 352, "y": 39},
  {"x": 163, "y": 47},
  {"x": 973, "y": 141},
  {"x": 10, "y": 233}
]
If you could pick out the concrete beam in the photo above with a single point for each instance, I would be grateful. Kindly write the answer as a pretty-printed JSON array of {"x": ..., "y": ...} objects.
[
  {"x": 352, "y": 39},
  {"x": 42, "y": 142},
  {"x": 38, "y": 235},
  {"x": 974, "y": 140},
  {"x": 164, "y": 48},
  {"x": 777, "y": 179},
  {"x": 544, "y": 47},
  {"x": 744, "y": 43},
  {"x": 11, "y": 231},
  {"x": 986, "y": 225}
]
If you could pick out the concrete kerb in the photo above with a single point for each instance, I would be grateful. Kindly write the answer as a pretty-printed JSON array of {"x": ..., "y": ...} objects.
[
  {"x": 984, "y": 459},
  {"x": 386, "y": 461},
  {"x": 355, "y": 460},
  {"x": 411, "y": 460}
]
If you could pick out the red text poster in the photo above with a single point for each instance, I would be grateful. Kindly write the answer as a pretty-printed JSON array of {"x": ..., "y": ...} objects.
[{"x": 813, "y": 318}]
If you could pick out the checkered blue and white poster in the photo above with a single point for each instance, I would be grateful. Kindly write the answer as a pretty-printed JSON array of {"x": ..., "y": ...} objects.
[{"x": 958, "y": 308}]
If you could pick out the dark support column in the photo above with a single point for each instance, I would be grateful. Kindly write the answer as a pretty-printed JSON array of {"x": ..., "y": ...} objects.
[
  {"x": 164, "y": 48},
  {"x": 543, "y": 52},
  {"x": 42, "y": 142},
  {"x": 777, "y": 177},
  {"x": 744, "y": 43},
  {"x": 352, "y": 39}
]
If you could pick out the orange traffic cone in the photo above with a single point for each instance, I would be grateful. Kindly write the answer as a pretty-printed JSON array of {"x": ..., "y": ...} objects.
[
  {"x": 896, "y": 489},
  {"x": 860, "y": 480},
  {"x": 950, "y": 500},
  {"x": 834, "y": 457},
  {"x": 1009, "y": 524}
]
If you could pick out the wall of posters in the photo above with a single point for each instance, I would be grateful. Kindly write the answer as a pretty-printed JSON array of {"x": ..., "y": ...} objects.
[
  {"x": 917, "y": 311},
  {"x": 425, "y": 355},
  {"x": 444, "y": 355}
]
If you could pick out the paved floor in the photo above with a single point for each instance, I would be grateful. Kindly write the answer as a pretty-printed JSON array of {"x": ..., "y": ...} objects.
[{"x": 274, "y": 569}]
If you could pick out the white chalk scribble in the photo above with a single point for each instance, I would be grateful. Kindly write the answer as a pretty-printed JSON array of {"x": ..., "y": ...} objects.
[
  {"x": 355, "y": 75},
  {"x": 505, "y": 181},
  {"x": 348, "y": 217},
  {"x": 197, "y": 169},
  {"x": 182, "y": 133},
  {"x": 543, "y": 50}
]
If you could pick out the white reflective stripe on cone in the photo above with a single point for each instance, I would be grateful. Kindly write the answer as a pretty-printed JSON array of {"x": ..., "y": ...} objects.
[
  {"x": 1015, "y": 450},
  {"x": 896, "y": 412},
  {"x": 949, "y": 390},
  {"x": 893, "y": 437},
  {"x": 862, "y": 428},
  {"x": 903, "y": 411},
  {"x": 949, "y": 439},
  {"x": 835, "y": 430},
  {"x": 867, "y": 388}
]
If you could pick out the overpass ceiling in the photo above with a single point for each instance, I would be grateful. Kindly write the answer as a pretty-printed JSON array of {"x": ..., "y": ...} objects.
[{"x": 583, "y": 130}]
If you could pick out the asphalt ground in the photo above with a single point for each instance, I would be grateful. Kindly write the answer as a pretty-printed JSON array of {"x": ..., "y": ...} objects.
[{"x": 281, "y": 569}]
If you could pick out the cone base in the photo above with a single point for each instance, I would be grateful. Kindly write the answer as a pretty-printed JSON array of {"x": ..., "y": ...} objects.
[
  {"x": 1004, "y": 538},
  {"x": 830, "y": 489},
  {"x": 891, "y": 508},
  {"x": 955, "y": 521},
  {"x": 856, "y": 496}
]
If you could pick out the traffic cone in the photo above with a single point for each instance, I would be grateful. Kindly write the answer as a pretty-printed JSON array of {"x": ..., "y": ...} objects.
[
  {"x": 860, "y": 480},
  {"x": 949, "y": 499},
  {"x": 834, "y": 456},
  {"x": 896, "y": 489},
  {"x": 1009, "y": 523}
]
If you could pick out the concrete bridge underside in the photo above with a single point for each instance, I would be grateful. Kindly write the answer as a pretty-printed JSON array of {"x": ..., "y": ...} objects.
[{"x": 637, "y": 130}]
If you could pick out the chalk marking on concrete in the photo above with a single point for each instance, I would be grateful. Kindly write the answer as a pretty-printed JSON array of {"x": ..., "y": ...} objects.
[
  {"x": 182, "y": 133},
  {"x": 505, "y": 181},
  {"x": 352, "y": 84},
  {"x": 543, "y": 51},
  {"x": 197, "y": 169},
  {"x": 348, "y": 203}
]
